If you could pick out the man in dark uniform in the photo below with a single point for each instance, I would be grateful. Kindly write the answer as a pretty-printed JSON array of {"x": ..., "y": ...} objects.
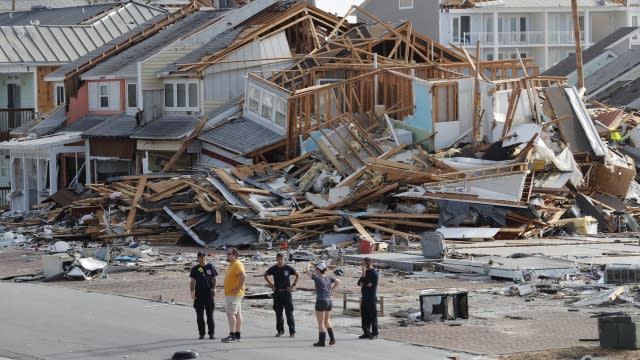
[
  {"x": 368, "y": 283},
  {"x": 203, "y": 289},
  {"x": 282, "y": 288}
]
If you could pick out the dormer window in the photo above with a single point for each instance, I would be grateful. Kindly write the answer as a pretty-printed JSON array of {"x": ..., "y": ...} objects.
[
  {"x": 266, "y": 105},
  {"x": 181, "y": 95}
]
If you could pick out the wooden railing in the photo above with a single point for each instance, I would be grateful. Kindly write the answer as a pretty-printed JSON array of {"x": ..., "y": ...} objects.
[{"x": 14, "y": 118}]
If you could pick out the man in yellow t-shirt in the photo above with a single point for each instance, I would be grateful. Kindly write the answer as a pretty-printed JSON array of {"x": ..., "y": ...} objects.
[{"x": 234, "y": 280}]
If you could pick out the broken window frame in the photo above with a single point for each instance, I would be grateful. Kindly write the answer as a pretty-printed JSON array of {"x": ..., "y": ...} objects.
[{"x": 451, "y": 93}]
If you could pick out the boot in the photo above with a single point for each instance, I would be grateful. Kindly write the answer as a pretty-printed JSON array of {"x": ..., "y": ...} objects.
[
  {"x": 332, "y": 339},
  {"x": 321, "y": 338}
]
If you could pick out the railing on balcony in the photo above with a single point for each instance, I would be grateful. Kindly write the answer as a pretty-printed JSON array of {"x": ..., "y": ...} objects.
[
  {"x": 14, "y": 118},
  {"x": 563, "y": 37},
  {"x": 504, "y": 38}
]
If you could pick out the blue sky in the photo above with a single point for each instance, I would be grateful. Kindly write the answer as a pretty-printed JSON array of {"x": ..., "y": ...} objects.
[{"x": 337, "y": 6}]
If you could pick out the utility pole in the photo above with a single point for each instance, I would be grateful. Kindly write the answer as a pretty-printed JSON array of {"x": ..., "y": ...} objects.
[
  {"x": 576, "y": 31},
  {"x": 13, "y": 5}
]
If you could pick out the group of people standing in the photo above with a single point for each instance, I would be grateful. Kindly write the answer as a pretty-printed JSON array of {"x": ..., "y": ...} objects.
[{"x": 278, "y": 278}]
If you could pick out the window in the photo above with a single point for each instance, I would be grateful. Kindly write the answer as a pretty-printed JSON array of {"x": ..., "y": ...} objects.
[
  {"x": 281, "y": 112},
  {"x": 523, "y": 29},
  {"x": 461, "y": 29},
  {"x": 181, "y": 96},
  {"x": 132, "y": 92},
  {"x": 59, "y": 97},
  {"x": 254, "y": 99},
  {"x": 445, "y": 102},
  {"x": 405, "y": 4},
  {"x": 267, "y": 105},
  {"x": 104, "y": 95}
]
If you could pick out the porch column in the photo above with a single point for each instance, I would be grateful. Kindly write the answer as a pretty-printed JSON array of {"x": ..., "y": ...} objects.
[
  {"x": 53, "y": 173},
  {"x": 546, "y": 62},
  {"x": 25, "y": 180},
  {"x": 496, "y": 36},
  {"x": 87, "y": 162},
  {"x": 38, "y": 177},
  {"x": 587, "y": 29}
]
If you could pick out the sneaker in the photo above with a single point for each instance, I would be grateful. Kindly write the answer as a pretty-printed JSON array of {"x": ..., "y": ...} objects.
[
  {"x": 373, "y": 337},
  {"x": 280, "y": 333},
  {"x": 292, "y": 334},
  {"x": 211, "y": 337},
  {"x": 201, "y": 337},
  {"x": 229, "y": 339},
  {"x": 364, "y": 336}
]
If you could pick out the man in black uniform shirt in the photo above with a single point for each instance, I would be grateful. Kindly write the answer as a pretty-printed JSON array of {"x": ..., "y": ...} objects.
[
  {"x": 282, "y": 298},
  {"x": 368, "y": 283},
  {"x": 203, "y": 288}
]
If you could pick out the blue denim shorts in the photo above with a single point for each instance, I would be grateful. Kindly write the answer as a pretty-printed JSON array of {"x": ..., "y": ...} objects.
[{"x": 324, "y": 305}]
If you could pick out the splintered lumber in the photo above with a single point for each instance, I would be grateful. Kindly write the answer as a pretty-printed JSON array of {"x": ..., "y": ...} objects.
[
  {"x": 282, "y": 165},
  {"x": 136, "y": 198},
  {"x": 388, "y": 230},
  {"x": 185, "y": 143},
  {"x": 184, "y": 227},
  {"x": 328, "y": 220},
  {"x": 405, "y": 222},
  {"x": 161, "y": 186},
  {"x": 360, "y": 229},
  {"x": 165, "y": 194}
]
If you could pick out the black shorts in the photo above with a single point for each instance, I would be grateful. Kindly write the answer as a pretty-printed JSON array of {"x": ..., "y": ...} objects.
[{"x": 324, "y": 305}]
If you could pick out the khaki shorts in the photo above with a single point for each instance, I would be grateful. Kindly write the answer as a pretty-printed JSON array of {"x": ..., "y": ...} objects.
[{"x": 234, "y": 304}]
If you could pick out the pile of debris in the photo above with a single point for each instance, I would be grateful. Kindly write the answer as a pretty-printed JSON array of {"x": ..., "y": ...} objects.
[{"x": 380, "y": 187}]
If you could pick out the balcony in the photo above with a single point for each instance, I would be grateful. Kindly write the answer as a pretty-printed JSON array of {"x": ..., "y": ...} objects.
[
  {"x": 14, "y": 118},
  {"x": 563, "y": 37},
  {"x": 504, "y": 38}
]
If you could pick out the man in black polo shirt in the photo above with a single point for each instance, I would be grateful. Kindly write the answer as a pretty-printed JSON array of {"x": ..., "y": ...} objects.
[
  {"x": 368, "y": 283},
  {"x": 203, "y": 288},
  {"x": 282, "y": 298}
]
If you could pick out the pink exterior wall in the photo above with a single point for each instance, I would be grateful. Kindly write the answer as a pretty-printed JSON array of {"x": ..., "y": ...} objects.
[{"x": 79, "y": 106}]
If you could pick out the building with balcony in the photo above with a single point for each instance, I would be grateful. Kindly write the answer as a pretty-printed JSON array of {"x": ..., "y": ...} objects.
[{"x": 540, "y": 29}]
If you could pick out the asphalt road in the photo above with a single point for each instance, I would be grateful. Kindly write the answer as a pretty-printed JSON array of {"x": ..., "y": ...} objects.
[{"x": 46, "y": 322}]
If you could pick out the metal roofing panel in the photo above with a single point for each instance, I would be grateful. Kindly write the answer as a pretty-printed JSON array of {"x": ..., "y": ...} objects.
[
  {"x": 121, "y": 125},
  {"x": 76, "y": 38},
  {"x": 83, "y": 124},
  {"x": 48, "y": 43},
  {"x": 124, "y": 63},
  {"x": 23, "y": 48},
  {"x": 58, "y": 16},
  {"x": 38, "y": 41},
  {"x": 65, "y": 43},
  {"x": 241, "y": 135},
  {"x": 216, "y": 44},
  {"x": 85, "y": 35},
  {"x": 167, "y": 128},
  {"x": 25, "y": 5},
  {"x": 614, "y": 69}
]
